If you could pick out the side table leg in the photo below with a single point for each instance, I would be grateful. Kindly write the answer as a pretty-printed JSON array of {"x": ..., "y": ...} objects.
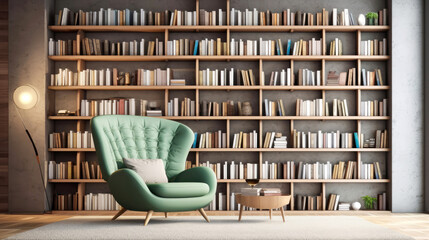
[
  {"x": 283, "y": 213},
  {"x": 241, "y": 212},
  {"x": 270, "y": 213}
]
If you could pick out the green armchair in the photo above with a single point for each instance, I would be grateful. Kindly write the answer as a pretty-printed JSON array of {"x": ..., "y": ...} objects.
[{"x": 119, "y": 136}]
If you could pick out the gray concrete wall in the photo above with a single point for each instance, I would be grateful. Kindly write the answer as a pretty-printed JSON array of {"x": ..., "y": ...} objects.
[
  {"x": 27, "y": 65},
  {"x": 407, "y": 106}
]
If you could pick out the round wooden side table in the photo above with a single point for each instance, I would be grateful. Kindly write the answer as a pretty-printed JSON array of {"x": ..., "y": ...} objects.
[{"x": 262, "y": 202}]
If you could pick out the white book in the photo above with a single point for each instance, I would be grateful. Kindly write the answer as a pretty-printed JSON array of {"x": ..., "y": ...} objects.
[
  {"x": 346, "y": 17},
  {"x": 334, "y": 17}
]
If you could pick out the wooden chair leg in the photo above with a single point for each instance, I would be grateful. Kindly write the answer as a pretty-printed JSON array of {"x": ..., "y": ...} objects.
[
  {"x": 166, "y": 214},
  {"x": 119, "y": 213},
  {"x": 283, "y": 214},
  {"x": 241, "y": 212},
  {"x": 148, "y": 216},
  {"x": 204, "y": 214}
]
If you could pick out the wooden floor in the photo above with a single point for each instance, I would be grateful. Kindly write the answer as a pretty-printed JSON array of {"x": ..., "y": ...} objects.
[{"x": 412, "y": 224}]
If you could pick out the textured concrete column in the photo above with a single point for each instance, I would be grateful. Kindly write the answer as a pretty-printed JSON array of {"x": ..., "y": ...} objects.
[
  {"x": 407, "y": 106},
  {"x": 27, "y": 65}
]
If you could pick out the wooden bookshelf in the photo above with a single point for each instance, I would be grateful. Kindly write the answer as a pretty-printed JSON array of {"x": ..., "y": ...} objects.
[{"x": 324, "y": 32}]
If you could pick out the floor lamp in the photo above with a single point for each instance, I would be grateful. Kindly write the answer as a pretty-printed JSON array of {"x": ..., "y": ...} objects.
[{"x": 25, "y": 97}]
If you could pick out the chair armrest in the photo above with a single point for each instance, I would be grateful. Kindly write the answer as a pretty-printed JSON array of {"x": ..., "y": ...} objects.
[
  {"x": 198, "y": 174},
  {"x": 129, "y": 189}
]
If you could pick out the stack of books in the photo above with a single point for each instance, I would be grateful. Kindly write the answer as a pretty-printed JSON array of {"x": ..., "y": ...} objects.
[
  {"x": 251, "y": 191},
  {"x": 344, "y": 207},
  {"x": 280, "y": 142},
  {"x": 271, "y": 192}
]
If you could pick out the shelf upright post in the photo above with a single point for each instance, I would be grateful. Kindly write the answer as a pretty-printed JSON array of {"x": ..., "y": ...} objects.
[
  {"x": 292, "y": 198},
  {"x": 324, "y": 42},
  {"x": 80, "y": 156},
  {"x": 359, "y": 130},
  {"x": 197, "y": 91},
  {"x": 197, "y": 9},
  {"x": 228, "y": 11},
  {"x": 228, "y": 190},
  {"x": 323, "y": 196},
  {"x": 165, "y": 41},
  {"x": 228, "y": 132}
]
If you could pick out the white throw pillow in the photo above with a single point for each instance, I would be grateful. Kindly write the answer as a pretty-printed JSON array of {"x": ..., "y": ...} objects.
[{"x": 150, "y": 170}]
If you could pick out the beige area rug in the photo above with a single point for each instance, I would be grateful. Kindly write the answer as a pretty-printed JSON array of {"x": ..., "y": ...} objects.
[{"x": 220, "y": 227}]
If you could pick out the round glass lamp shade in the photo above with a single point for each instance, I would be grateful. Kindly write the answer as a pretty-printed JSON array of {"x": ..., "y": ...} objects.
[{"x": 25, "y": 97}]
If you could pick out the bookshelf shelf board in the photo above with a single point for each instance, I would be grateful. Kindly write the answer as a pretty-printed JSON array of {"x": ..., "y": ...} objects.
[
  {"x": 77, "y": 181},
  {"x": 213, "y": 88},
  {"x": 218, "y": 28},
  {"x": 249, "y": 150},
  {"x": 110, "y": 58},
  {"x": 290, "y": 149},
  {"x": 243, "y": 181},
  {"x": 273, "y": 118},
  {"x": 308, "y": 181},
  {"x": 225, "y": 213}
]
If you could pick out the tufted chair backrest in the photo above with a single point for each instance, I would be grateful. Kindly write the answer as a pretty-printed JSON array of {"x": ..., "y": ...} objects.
[{"x": 121, "y": 136}]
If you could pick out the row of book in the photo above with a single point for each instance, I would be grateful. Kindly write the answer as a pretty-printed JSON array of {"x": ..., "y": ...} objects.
[
  {"x": 226, "y": 77},
  {"x": 68, "y": 170},
  {"x": 228, "y": 108},
  {"x": 317, "y": 107},
  {"x": 210, "y": 140},
  {"x": 286, "y": 17},
  {"x": 232, "y": 170},
  {"x": 370, "y": 171},
  {"x": 126, "y": 17},
  {"x": 372, "y": 78},
  {"x": 212, "y": 18},
  {"x": 207, "y": 77},
  {"x": 342, "y": 79},
  {"x": 369, "y": 78},
  {"x": 245, "y": 140},
  {"x": 286, "y": 78},
  {"x": 308, "y": 202},
  {"x": 71, "y": 139},
  {"x": 206, "y": 47},
  {"x": 66, "y": 202},
  {"x": 335, "y": 139},
  {"x": 186, "y": 107},
  {"x": 274, "y": 108},
  {"x": 105, "y": 47},
  {"x": 108, "y": 77},
  {"x": 336, "y": 47},
  {"x": 296, "y": 170},
  {"x": 341, "y": 170},
  {"x": 373, "y": 47},
  {"x": 373, "y": 108},
  {"x": 176, "y": 17},
  {"x": 100, "y": 202},
  {"x": 274, "y": 140},
  {"x": 307, "y": 77},
  {"x": 120, "y": 106}
]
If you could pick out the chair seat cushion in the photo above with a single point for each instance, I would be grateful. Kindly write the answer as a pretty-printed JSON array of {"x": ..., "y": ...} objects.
[{"x": 179, "y": 189}]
